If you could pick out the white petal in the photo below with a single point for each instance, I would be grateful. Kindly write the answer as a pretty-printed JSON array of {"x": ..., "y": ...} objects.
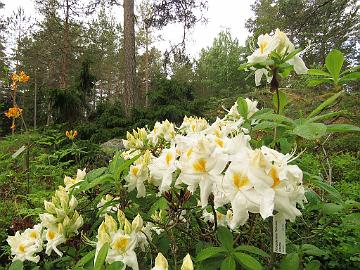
[
  {"x": 267, "y": 203},
  {"x": 205, "y": 190},
  {"x": 298, "y": 64}
]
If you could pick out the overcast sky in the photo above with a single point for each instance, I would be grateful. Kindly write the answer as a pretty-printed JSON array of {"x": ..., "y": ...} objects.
[{"x": 221, "y": 14}]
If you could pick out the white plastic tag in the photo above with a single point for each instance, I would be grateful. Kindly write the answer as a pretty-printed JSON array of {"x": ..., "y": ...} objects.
[
  {"x": 279, "y": 237},
  {"x": 19, "y": 151}
]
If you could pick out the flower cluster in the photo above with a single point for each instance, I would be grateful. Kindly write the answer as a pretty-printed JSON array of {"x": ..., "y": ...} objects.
[
  {"x": 217, "y": 159},
  {"x": 60, "y": 222},
  {"x": 275, "y": 49},
  {"x": 123, "y": 237},
  {"x": 18, "y": 78},
  {"x": 13, "y": 112},
  {"x": 71, "y": 135}
]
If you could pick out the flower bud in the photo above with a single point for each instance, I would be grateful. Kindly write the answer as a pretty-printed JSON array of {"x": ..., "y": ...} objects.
[
  {"x": 161, "y": 262},
  {"x": 110, "y": 223},
  {"x": 127, "y": 227},
  {"x": 73, "y": 203},
  {"x": 121, "y": 218},
  {"x": 137, "y": 223},
  {"x": 49, "y": 207},
  {"x": 187, "y": 263}
]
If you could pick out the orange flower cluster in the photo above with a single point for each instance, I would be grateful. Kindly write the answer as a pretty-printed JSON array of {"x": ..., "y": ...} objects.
[
  {"x": 71, "y": 134},
  {"x": 13, "y": 112},
  {"x": 18, "y": 78}
]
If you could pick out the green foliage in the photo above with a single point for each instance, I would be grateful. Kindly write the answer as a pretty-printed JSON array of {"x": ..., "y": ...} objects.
[
  {"x": 333, "y": 63},
  {"x": 228, "y": 255},
  {"x": 217, "y": 72}
]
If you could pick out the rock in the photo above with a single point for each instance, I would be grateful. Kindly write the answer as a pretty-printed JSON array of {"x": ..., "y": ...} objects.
[{"x": 112, "y": 146}]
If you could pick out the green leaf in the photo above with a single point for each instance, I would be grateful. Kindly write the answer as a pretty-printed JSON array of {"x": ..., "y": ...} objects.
[
  {"x": 16, "y": 265},
  {"x": 242, "y": 107},
  {"x": 247, "y": 261},
  {"x": 316, "y": 82},
  {"x": 276, "y": 117},
  {"x": 115, "y": 266},
  {"x": 318, "y": 72},
  {"x": 325, "y": 104},
  {"x": 228, "y": 264},
  {"x": 118, "y": 165},
  {"x": 88, "y": 257},
  {"x": 101, "y": 257},
  {"x": 282, "y": 99},
  {"x": 334, "y": 62},
  {"x": 225, "y": 237},
  {"x": 252, "y": 249},
  {"x": 313, "y": 265},
  {"x": 350, "y": 77},
  {"x": 310, "y": 131},
  {"x": 209, "y": 252},
  {"x": 316, "y": 181},
  {"x": 90, "y": 176},
  {"x": 102, "y": 179},
  {"x": 331, "y": 208},
  {"x": 292, "y": 54},
  {"x": 312, "y": 197},
  {"x": 342, "y": 128},
  {"x": 351, "y": 69},
  {"x": 290, "y": 262},
  {"x": 312, "y": 250},
  {"x": 260, "y": 112},
  {"x": 325, "y": 116},
  {"x": 266, "y": 125}
]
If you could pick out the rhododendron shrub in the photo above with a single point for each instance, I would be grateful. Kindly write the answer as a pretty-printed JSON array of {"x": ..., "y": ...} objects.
[{"x": 178, "y": 194}]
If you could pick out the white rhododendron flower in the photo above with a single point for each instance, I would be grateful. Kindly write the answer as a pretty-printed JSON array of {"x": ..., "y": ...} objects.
[
  {"x": 280, "y": 44},
  {"x": 193, "y": 124},
  {"x": 259, "y": 73},
  {"x": 266, "y": 44},
  {"x": 69, "y": 182},
  {"x": 164, "y": 130},
  {"x": 54, "y": 237},
  {"x": 163, "y": 167},
  {"x": 26, "y": 245},
  {"x": 123, "y": 237},
  {"x": 217, "y": 159},
  {"x": 139, "y": 174},
  {"x": 60, "y": 222}
]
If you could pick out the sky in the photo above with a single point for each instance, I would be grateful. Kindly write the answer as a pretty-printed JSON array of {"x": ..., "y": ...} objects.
[{"x": 221, "y": 15}]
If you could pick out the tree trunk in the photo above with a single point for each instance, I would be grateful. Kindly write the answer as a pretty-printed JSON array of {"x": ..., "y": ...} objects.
[
  {"x": 35, "y": 99},
  {"x": 65, "y": 51},
  {"x": 129, "y": 47},
  {"x": 147, "y": 79}
]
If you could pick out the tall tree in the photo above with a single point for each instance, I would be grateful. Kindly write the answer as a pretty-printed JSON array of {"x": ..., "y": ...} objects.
[
  {"x": 129, "y": 60},
  {"x": 217, "y": 70}
]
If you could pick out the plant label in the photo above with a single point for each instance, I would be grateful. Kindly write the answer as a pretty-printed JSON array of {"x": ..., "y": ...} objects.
[
  {"x": 279, "y": 238},
  {"x": 19, "y": 151}
]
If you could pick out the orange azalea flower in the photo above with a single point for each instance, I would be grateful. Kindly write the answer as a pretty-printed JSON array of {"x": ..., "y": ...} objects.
[
  {"x": 13, "y": 126},
  {"x": 15, "y": 77},
  {"x": 13, "y": 112},
  {"x": 23, "y": 77},
  {"x": 71, "y": 134},
  {"x": 18, "y": 78}
]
